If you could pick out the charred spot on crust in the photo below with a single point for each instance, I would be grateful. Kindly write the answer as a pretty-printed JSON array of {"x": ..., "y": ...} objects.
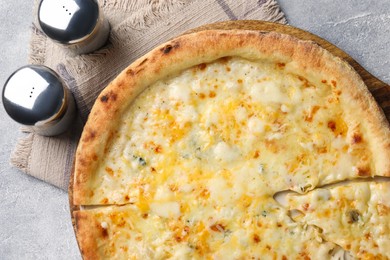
[
  {"x": 113, "y": 96},
  {"x": 80, "y": 217},
  {"x": 104, "y": 99},
  {"x": 82, "y": 162},
  {"x": 110, "y": 95},
  {"x": 225, "y": 59},
  {"x": 138, "y": 71},
  {"x": 202, "y": 66},
  {"x": 90, "y": 135},
  {"x": 281, "y": 65},
  {"x": 262, "y": 33},
  {"x": 120, "y": 84},
  {"x": 168, "y": 48},
  {"x": 130, "y": 72},
  {"x": 143, "y": 62}
]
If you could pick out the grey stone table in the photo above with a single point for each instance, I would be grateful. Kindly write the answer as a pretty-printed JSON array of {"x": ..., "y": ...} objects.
[{"x": 34, "y": 216}]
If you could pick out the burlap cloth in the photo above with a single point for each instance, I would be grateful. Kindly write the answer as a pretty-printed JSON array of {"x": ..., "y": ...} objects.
[{"x": 137, "y": 27}]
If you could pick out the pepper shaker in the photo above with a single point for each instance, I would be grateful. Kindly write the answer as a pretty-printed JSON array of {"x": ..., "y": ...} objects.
[
  {"x": 35, "y": 96},
  {"x": 78, "y": 25}
]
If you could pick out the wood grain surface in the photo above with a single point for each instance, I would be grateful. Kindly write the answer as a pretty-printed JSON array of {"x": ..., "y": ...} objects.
[{"x": 379, "y": 89}]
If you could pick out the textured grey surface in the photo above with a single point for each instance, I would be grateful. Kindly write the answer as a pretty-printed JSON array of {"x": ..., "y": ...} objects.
[
  {"x": 359, "y": 27},
  {"x": 34, "y": 217}
]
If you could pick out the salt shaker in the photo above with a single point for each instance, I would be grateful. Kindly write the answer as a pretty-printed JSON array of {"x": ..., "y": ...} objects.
[
  {"x": 78, "y": 25},
  {"x": 35, "y": 96}
]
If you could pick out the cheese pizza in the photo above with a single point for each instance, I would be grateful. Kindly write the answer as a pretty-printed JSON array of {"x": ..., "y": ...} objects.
[{"x": 184, "y": 151}]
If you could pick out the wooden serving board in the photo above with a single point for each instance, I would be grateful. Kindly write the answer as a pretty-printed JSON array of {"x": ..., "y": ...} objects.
[{"x": 379, "y": 89}]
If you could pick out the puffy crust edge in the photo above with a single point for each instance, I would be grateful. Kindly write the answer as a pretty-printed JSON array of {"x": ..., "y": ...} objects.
[
  {"x": 205, "y": 46},
  {"x": 87, "y": 234}
]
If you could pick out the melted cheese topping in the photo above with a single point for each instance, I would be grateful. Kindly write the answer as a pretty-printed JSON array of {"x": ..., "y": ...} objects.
[
  {"x": 205, "y": 150},
  {"x": 235, "y": 117},
  {"x": 265, "y": 231},
  {"x": 355, "y": 216}
]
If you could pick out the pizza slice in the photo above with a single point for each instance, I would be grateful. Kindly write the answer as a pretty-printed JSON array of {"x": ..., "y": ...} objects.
[
  {"x": 355, "y": 216},
  {"x": 166, "y": 232}
]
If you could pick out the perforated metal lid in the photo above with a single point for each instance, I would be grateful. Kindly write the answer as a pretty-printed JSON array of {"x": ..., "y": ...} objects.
[
  {"x": 68, "y": 21},
  {"x": 33, "y": 94}
]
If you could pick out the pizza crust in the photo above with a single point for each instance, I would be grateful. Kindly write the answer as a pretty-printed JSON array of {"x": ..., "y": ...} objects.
[
  {"x": 206, "y": 46},
  {"x": 88, "y": 234}
]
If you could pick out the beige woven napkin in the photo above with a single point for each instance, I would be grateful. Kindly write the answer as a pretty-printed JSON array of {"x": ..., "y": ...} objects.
[{"x": 137, "y": 27}]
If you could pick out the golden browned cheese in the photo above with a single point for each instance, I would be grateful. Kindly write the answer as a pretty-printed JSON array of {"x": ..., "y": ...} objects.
[
  {"x": 183, "y": 156},
  {"x": 240, "y": 118}
]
